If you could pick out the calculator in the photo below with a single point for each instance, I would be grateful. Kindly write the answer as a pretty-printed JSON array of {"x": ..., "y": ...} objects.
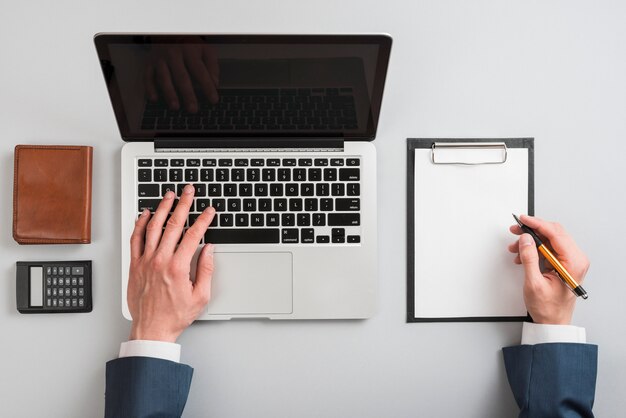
[{"x": 53, "y": 286}]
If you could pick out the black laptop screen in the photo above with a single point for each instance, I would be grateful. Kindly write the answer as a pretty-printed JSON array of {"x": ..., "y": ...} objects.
[{"x": 216, "y": 86}]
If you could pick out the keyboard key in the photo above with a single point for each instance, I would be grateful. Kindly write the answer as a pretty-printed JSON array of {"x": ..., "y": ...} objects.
[
  {"x": 321, "y": 162},
  {"x": 241, "y": 219},
  {"x": 273, "y": 162},
  {"x": 265, "y": 205},
  {"x": 276, "y": 189},
  {"x": 202, "y": 204},
  {"x": 219, "y": 205},
  {"x": 249, "y": 205},
  {"x": 269, "y": 174},
  {"x": 280, "y": 205},
  {"x": 272, "y": 219},
  {"x": 176, "y": 174},
  {"x": 322, "y": 239},
  {"x": 295, "y": 205},
  {"x": 234, "y": 205},
  {"x": 161, "y": 163},
  {"x": 240, "y": 162},
  {"x": 290, "y": 235},
  {"x": 306, "y": 189},
  {"x": 144, "y": 175},
  {"x": 256, "y": 219},
  {"x": 310, "y": 205},
  {"x": 148, "y": 190},
  {"x": 303, "y": 219},
  {"x": 338, "y": 235},
  {"x": 349, "y": 174},
  {"x": 208, "y": 162},
  {"x": 144, "y": 163},
  {"x": 160, "y": 174},
  {"x": 288, "y": 219},
  {"x": 238, "y": 174},
  {"x": 215, "y": 190},
  {"x": 191, "y": 175},
  {"x": 257, "y": 162},
  {"x": 177, "y": 162},
  {"x": 344, "y": 219},
  {"x": 245, "y": 189},
  {"x": 150, "y": 204},
  {"x": 315, "y": 174},
  {"x": 289, "y": 162},
  {"x": 306, "y": 162},
  {"x": 347, "y": 204},
  {"x": 226, "y": 219},
  {"x": 336, "y": 161},
  {"x": 253, "y": 174},
  {"x": 353, "y": 189},
  {"x": 291, "y": 189},
  {"x": 222, "y": 174},
  {"x": 337, "y": 189},
  {"x": 326, "y": 204},
  {"x": 225, "y": 162},
  {"x": 319, "y": 219},
  {"x": 260, "y": 189},
  {"x": 284, "y": 174},
  {"x": 322, "y": 189},
  {"x": 193, "y": 162},
  {"x": 167, "y": 188},
  {"x": 352, "y": 162},
  {"x": 206, "y": 174},
  {"x": 307, "y": 235},
  {"x": 242, "y": 236},
  {"x": 230, "y": 189},
  {"x": 330, "y": 174},
  {"x": 299, "y": 174},
  {"x": 354, "y": 239}
]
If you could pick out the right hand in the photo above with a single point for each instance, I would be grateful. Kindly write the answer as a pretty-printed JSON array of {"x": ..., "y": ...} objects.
[{"x": 547, "y": 298}]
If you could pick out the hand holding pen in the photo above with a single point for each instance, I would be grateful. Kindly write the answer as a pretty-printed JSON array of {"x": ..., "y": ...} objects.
[{"x": 548, "y": 299}]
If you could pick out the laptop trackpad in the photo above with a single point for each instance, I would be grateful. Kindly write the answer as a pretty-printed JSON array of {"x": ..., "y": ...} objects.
[{"x": 251, "y": 283}]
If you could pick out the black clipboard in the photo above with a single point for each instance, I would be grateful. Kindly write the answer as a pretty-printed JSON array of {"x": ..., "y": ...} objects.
[{"x": 420, "y": 143}]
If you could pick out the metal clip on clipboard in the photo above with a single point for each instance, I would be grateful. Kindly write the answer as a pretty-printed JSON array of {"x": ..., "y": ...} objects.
[{"x": 456, "y": 153}]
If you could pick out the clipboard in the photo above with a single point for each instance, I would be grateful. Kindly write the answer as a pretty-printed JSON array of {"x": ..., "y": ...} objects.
[{"x": 460, "y": 196}]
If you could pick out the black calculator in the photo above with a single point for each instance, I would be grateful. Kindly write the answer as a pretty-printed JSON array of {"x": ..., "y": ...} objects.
[{"x": 53, "y": 286}]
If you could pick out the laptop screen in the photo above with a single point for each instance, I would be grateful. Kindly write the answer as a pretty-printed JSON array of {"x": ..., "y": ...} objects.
[{"x": 254, "y": 86}]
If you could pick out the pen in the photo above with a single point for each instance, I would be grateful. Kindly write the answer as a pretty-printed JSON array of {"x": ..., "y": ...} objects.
[{"x": 561, "y": 271}]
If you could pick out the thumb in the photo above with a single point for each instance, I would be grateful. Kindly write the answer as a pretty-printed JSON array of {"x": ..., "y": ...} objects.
[
  {"x": 529, "y": 256},
  {"x": 204, "y": 274}
]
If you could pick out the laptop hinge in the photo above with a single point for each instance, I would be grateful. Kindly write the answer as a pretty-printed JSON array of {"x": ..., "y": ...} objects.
[{"x": 247, "y": 144}]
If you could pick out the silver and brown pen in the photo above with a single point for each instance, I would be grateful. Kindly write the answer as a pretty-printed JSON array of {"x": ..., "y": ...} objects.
[{"x": 561, "y": 271}]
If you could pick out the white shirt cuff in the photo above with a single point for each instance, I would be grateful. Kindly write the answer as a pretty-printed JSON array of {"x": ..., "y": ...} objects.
[
  {"x": 544, "y": 333},
  {"x": 156, "y": 349}
]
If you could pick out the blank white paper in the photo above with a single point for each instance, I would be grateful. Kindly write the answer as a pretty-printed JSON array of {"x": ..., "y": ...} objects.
[{"x": 462, "y": 217}]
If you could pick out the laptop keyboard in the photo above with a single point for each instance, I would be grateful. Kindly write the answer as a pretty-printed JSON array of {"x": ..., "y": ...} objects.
[
  {"x": 263, "y": 200},
  {"x": 259, "y": 110}
]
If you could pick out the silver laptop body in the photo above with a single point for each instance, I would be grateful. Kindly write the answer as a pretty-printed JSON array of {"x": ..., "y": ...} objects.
[{"x": 284, "y": 154}]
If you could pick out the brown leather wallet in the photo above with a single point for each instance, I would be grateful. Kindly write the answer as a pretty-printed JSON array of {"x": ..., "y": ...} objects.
[{"x": 52, "y": 194}]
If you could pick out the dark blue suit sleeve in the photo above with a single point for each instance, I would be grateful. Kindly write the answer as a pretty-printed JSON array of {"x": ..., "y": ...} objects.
[
  {"x": 146, "y": 387},
  {"x": 553, "y": 380}
]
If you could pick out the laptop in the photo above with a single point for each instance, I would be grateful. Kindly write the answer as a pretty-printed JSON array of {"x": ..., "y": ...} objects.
[{"x": 275, "y": 132}]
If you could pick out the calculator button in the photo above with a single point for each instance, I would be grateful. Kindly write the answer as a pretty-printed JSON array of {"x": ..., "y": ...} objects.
[
  {"x": 74, "y": 281},
  {"x": 81, "y": 281},
  {"x": 81, "y": 291},
  {"x": 74, "y": 303},
  {"x": 77, "y": 271},
  {"x": 48, "y": 302},
  {"x": 48, "y": 270},
  {"x": 54, "y": 281},
  {"x": 54, "y": 302},
  {"x": 67, "y": 302},
  {"x": 54, "y": 292},
  {"x": 74, "y": 292},
  {"x": 60, "y": 303},
  {"x": 81, "y": 302},
  {"x": 48, "y": 292},
  {"x": 54, "y": 270},
  {"x": 67, "y": 271}
]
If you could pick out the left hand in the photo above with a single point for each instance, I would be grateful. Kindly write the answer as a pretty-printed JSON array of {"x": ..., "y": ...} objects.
[{"x": 162, "y": 299}]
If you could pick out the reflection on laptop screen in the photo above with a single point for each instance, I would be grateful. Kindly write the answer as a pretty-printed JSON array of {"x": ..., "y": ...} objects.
[{"x": 216, "y": 86}]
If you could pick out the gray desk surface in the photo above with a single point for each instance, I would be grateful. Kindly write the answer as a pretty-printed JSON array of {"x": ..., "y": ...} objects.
[{"x": 551, "y": 70}]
